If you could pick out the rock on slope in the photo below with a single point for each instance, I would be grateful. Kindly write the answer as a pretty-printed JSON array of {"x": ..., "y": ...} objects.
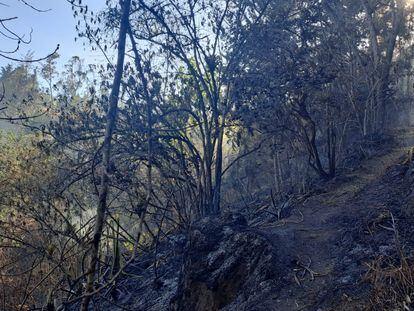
[
  {"x": 227, "y": 266},
  {"x": 221, "y": 264}
]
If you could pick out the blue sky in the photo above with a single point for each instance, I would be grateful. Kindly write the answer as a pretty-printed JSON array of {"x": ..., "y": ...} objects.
[{"x": 56, "y": 26}]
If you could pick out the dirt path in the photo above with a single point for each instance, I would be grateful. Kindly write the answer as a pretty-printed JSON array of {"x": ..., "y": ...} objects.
[{"x": 314, "y": 249}]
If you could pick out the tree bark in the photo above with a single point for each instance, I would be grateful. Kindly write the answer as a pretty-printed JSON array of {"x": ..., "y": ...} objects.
[
  {"x": 219, "y": 172},
  {"x": 149, "y": 106},
  {"x": 382, "y": 65},
  {"x": 397, "y": 18},
  {"x": 111, "y": 117}
]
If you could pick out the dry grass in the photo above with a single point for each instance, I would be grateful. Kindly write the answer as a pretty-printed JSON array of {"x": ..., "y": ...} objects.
[
  {"x": 392, "y": 280},
  {"x": 392, "y": 283}
]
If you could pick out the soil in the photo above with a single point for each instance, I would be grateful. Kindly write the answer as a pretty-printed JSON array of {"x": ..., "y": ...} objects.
[
  {"x": 316, "y": 258},
  {"x": 330, "y": 237}
]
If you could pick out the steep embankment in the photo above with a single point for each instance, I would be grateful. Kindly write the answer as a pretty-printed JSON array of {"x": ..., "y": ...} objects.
[
  {"x": 341, "y": 231},
  {"x": 340, "y": 249}
]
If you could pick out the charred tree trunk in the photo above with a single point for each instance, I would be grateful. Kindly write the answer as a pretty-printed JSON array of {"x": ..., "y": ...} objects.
[
  {"x": 309, "y": 131},
  {"x": 149, "y": 107},
  {"x": 383, "y": 64},
  {"x": 331, "y": 137},
  {"x": 219, "y": 172},
  {"x": 106, "y": 150},
  {"x": 397, "y": 19}
]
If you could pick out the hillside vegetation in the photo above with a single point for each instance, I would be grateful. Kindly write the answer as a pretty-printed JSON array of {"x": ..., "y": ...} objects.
[{"x": 221, "y": 155}]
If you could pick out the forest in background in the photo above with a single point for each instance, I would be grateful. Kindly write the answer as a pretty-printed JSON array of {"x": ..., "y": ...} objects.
[{"x": 202, "y": 107}]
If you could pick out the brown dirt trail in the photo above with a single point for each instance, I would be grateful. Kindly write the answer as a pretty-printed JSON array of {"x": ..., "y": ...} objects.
[{"x": 321, "y": 259}]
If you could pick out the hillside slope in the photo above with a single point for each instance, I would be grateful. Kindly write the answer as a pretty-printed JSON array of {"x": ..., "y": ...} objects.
[
  {"x": 346, "y": 247},
  {"x": 355, "y": 221}
]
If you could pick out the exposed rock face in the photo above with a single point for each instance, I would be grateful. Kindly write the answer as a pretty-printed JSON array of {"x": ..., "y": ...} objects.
[{"x": 225, "y": 265}]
